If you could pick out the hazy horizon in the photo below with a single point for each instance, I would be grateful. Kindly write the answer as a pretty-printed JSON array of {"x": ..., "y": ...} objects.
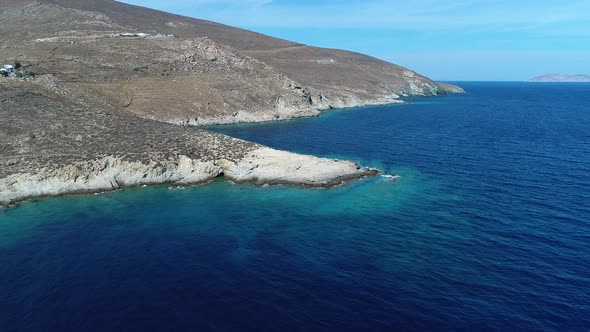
[{"x": 494, "y": 40}]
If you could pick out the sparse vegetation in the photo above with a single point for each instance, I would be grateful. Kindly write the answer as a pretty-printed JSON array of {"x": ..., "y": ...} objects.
[
  {"x": 25, "y": 74},
  {"x": 17, "y": 65},
  {"x": 233, "y": 70},
  {"x": 141, "y": 68}
]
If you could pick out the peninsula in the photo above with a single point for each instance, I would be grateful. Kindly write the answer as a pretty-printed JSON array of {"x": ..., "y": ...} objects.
[{"x": 99, "y": 95}]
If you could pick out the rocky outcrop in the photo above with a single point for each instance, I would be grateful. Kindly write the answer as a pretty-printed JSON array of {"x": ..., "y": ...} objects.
[
  {"x": 448, "y": 88},
  {"x": 261, "y": 166},
  {"x": 269, "y": 166},
  {"x": 104, "y": 174}
]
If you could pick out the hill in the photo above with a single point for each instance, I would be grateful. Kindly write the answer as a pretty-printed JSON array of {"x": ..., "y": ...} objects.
[{"x": 177, "y": 69}]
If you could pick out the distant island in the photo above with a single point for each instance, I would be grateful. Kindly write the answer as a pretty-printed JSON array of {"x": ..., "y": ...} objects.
[{"x": 561, "y": 78}]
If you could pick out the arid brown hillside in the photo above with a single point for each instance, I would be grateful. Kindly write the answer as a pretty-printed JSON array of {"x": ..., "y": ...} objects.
[{"x": 156, "y": 65}]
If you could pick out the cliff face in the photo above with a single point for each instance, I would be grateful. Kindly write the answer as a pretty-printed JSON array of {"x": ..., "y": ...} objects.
[{"x": 170, "y": 68}]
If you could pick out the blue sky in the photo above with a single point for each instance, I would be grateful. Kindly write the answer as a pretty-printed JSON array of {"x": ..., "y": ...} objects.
[{"x": 445, "y": 40}]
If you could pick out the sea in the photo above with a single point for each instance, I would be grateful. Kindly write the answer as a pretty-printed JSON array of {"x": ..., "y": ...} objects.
[{"x": 484, "y": 226}]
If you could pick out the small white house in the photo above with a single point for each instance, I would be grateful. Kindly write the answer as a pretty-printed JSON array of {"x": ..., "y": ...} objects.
[{"x": 9, "y": 69}]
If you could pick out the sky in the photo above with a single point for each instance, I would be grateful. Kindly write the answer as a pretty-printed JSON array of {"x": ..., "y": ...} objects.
[{"x": 453, "y": 40}]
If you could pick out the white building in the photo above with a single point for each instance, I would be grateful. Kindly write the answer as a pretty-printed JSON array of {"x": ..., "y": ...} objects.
[{"x": 9, "y": 69}]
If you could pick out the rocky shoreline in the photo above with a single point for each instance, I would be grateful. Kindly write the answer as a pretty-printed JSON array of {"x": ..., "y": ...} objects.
[
  {"x": 285, "y": 113},
  {"x": 111, "y": 155},
  {"x": 188, "y": 157},
  {"x": 261, "y": 166},
  {"x": 70, "y": 150}
]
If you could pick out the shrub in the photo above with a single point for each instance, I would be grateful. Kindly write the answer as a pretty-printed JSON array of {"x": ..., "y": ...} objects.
[
  {"x": 140, "y": 68},
  {"x": 17, "y": 65},
  {"x": 25, "y": 73}
]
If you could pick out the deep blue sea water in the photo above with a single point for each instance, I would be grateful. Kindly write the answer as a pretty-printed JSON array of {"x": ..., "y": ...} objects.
[{"x": 487, "y": 229}]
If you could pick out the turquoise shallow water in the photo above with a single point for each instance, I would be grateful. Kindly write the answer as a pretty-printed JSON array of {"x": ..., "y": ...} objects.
[{"x": 487, "y": 229}]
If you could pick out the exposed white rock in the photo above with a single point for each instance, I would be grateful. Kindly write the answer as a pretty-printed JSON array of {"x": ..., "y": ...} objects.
[
  {"x": 263, "y": 165},
  {"x": 352, "y": 102},
  {"x": 267, "y": 165},
  {"x": 108, "y": 173},
  {"x": 282, "y": 111}
]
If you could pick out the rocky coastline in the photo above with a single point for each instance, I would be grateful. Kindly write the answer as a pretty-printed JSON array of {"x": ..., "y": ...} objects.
[
  {"x": 27, "y": 175},
  {"x": 261, "y": 166},
  {"x": 70, "y": 150},
  {"x": 107, "y": 96}
]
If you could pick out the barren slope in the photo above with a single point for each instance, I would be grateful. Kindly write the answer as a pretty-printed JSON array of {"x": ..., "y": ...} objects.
[{"x": 188, "y": 71}]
